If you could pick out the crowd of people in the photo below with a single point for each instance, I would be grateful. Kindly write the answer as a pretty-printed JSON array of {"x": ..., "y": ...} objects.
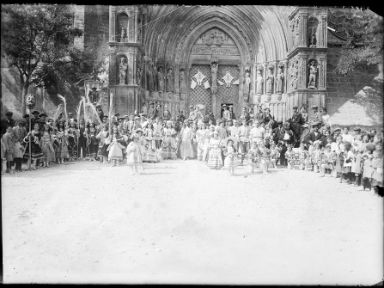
[{"x": 254, "y": 139}]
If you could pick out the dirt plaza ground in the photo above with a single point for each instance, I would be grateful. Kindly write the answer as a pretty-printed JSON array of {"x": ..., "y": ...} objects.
[{"x": 181, "y": 222}]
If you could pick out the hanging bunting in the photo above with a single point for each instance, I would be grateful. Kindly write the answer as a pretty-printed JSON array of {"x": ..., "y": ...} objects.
[
  {"x": 220, "y": 82},
  {"x": 236, "y": 82},
  {"x": 206, "y": 85}
]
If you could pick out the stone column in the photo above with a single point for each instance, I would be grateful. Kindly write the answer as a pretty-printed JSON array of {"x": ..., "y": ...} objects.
[
  {"x": 322, "y": 72},
  {"x": 324, "y": 31},
  {"x": 303, "y": 29},
  {"x": 136, "y": 20},
  {"x": 302, "y": 77},
  {"x": 285, "y": 89},
  {"x": 112, "y": 23}
]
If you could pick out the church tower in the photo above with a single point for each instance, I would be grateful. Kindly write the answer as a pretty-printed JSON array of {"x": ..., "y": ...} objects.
[{"x": 125, "y": 62}]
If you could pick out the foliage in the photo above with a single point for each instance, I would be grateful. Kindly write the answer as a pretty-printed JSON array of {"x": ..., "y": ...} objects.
[
  {"x": 38, "y": 41},
  {"x": 363, "y": 31}
]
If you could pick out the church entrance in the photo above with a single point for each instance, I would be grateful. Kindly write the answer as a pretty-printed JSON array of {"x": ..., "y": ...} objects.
[{"x": 227, "y": 87}]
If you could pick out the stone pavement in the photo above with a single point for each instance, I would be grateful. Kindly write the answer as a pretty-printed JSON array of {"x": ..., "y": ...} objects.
[{"x": 181, "y": 222}]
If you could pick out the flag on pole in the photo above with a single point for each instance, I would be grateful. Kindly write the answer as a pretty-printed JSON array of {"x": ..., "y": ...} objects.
[
  {"x": 193, "y": 84},
  {"x": 206, "y": 85}
]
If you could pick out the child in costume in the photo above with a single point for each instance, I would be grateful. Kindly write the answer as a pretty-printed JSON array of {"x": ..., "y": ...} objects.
[
  {"x": 215, "y": 161},
  {"x": 169, "y": 142},
  {"x": 92, "y": 144},
  {"x": 230, "y": 157},
  {"x": 115, "y": 148},
  {"x": 102, "y": 136},
  {"x": 36, "y": 153},
  {"x": 289, "y": 156},
  {"x": 347, "y": 162},
  {"x": 316, "y": 156},
  {"x": 46, "y": 144},
  {"x": 254, "y": 155},
  {"x": 302, "y": 156},
  {"x": 265, "y": 157},
  {"x": 367, "y": 170},
  {"x": 326, "y": 161},
  {"x": 134, "y": 157},
  {"x": 275, "y": 155}
]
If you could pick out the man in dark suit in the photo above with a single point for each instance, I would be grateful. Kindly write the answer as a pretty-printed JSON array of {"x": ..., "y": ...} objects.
[{"x": 314, "y": 135}]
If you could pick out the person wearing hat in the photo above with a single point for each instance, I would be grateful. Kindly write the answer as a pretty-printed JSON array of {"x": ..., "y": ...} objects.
[
  {"x": 8, "y": 121},
  {"x": 226, "y": 113},
  {"x": 245, "y": 115},
  {"x": 314, "y": 135},
  {"x": 347, "y": 137},
  {"x": 243, "y": 138},
  {"x": 268, "y": 119},
  {"x": 169, "y": 143},
  {"x": 296, "y": 121},
  {"x": 257, "y": 132},
  {"x": 166, "y": 113}
]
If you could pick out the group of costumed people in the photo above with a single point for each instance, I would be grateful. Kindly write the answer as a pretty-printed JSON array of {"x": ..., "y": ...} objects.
[{"x": 253, "y": 139}]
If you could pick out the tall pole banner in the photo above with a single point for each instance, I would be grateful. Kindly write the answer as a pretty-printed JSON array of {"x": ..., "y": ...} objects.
[{"x": 30, "y": 101}]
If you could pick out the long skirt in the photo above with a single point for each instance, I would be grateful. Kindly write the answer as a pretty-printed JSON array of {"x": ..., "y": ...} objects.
[
  {"x": 169, "y": 148},
  {"x": 63, "y": 150},
  {"x": 230, "y": 161},
  {"x": 215, "y": 161},
  {"x": 103, "y": 151},
  {"x": 115, "y": 151},
  {"x": 36, "y": 154},
  {"x": 134, "y": 158},
  {"x": 151, "y": 155},
  {"x": 92, "y": 150},
  {"x": 49, "y": 153},
  {"x": 186, "y": 149}
]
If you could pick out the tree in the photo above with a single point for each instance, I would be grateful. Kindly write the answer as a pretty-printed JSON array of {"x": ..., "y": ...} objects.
[
  {"x": 363, "y": 31},
  {"x": 38, "y": 41}
]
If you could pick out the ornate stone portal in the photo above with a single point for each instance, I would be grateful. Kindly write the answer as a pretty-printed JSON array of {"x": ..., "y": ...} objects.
[{"x": 241, "y": 64}]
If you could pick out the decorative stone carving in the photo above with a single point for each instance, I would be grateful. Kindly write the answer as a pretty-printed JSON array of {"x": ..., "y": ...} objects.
[
  {"x": 312, "y": 74},
  {"x": 214, "y": 69},
  {"x": 215, "y": 42},
  {"x": 160, "y": 79},
  {"x": 154, "y": 77},
  {"x": 280, "y": 80},
  {"x": 227, "y": 79},
  {"x": 297, "y": 32},
  {"x": 259, "y": 81},
  {"x": 247, "y": 83},
  {"x": 183, "y": 85},
  {"x": 294, "y": 73},
  {"x": 123, "y": 67},
  {"x": 313, "y": 23},
  {"x": 269, "y": 80},
  {"x": 170, "y": 80}
]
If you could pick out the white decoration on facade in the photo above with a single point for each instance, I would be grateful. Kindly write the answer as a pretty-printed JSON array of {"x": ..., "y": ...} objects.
[
  {"x": 193, "y": 84},
  {"x": 220, "y": 82},
  {"x": 199, "y": 77},
  {"x": 228, "y": 79},
  {"x": 206, "y": 85},
  {"x": 236, "y": 82}
]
